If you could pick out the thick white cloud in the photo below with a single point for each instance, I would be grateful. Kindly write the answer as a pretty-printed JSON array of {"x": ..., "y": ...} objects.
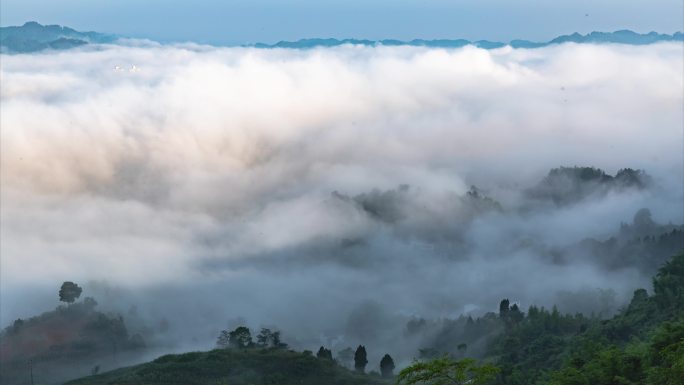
[{"x": 217, "y": 166}]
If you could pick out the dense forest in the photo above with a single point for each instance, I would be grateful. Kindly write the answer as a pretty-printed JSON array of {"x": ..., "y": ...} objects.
[{"x": 643, "y": 344}]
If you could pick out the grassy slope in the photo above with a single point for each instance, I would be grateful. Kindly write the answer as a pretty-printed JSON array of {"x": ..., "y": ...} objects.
[{"x": 234, "y": 367}]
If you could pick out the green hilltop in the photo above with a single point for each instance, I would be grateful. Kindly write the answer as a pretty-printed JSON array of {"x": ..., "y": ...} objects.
[{"x": 235, "y": 367}]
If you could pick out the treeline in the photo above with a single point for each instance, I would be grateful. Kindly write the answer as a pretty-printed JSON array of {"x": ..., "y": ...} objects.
[
  {"x": 643, "y": 244},
  {"x": 241, "y": 338},
  {"x": 569, "y": 185},
  {"x": 642, "y": 345}
]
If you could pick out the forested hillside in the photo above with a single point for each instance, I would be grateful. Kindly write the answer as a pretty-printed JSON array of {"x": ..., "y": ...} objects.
[
  {"x": 74, "y": 339},
  {"x": 643, "y": 344}
]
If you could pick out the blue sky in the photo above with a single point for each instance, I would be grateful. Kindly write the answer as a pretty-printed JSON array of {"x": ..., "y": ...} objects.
[{"x": 241, "y": 21}]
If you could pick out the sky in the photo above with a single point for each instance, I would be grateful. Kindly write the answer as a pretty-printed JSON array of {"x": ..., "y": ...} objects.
[{"x": 234, "y": 22}]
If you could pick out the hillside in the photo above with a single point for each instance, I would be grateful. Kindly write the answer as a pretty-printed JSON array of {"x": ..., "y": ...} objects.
[
  {"x": 234, "y": 367},
  {"x": 32, "y": 37},
  {"x": 643, "y": 344},
  {"x": 65, "y": 343}
]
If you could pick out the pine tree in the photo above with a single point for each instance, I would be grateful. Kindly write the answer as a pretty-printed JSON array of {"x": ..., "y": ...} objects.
[
  {"x": 387, "y": 366},
  {"x": 360, "y": 359},
  {"x": 324, "y": 353}
]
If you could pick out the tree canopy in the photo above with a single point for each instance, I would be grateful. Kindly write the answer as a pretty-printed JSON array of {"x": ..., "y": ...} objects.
[
  {"x": 69, "y": 292},
  {"x": 360, "y": 359},
  {"x": 387, "y": 366},
  {"x": 446, "y": 371}
]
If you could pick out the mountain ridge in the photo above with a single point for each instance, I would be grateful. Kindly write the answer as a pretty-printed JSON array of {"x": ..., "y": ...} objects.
[
  {"x": 33, "y": 37},
  {"x": 620, "y": 37}
]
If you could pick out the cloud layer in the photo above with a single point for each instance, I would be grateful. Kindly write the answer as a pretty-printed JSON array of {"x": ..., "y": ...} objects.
[{"x": 237, "y": 182}]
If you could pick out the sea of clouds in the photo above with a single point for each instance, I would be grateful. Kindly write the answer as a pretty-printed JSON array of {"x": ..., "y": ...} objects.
[{"x": 216, "y": 186}]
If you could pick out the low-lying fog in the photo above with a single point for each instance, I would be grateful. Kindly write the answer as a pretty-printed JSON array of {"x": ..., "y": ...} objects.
[{"x": 324, "y": 192}]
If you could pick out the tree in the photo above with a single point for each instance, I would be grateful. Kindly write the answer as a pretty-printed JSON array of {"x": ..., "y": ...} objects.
[
  {"x": 276, "y": 342},
  {"x": 504, "y": 308},
  {"x": 510, "y": 314},
  {"x": 515, "y": 315},
  {"x": 324, "y": 353},
  {"x": 270, "y": 339},
  {"x": 667, "y": 353},
  {"x": 240, "y": 338},
  {"x": 445, "y": 371},
  {"x": 223, "y": 340},
  {"x": 360, "y": 359},
  {"x": 69, "y": 292},
  {"x": 264, "y": 338},
  {"x": 16, "y": 326},
  {"x": 387, "y": 366},
  {"x": 668, "y": 285}
]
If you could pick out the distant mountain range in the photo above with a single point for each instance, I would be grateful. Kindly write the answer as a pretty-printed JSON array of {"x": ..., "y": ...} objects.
[
  {"x": 621, "y": 37},
  {"x": 32, "y": 37}
]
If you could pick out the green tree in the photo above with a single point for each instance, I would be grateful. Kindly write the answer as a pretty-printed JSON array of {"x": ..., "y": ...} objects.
[
  {"x": 667, "y": 354},
  {"x": 387, "y": 366},
  {"x": 269, "y": 339},
  {"x": 240, "y": 338},
  {"x": 643, "y": 345},
  {"x": 360, "y": 359},
  {"x": 264, "y": 338},
  {"x": 668, "y": 285},
  {"x": 223, "y": 340},
  {"x": 324, "y": 353},
  {"x": 504, "y": 308},
  {"x": 69, "y": 292},
  {"x": 276, "y": 342},
  {"x": 15, "y": 328},
  {"x": 445, "y": 371},
  {"x": 515, "y": 315}
]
